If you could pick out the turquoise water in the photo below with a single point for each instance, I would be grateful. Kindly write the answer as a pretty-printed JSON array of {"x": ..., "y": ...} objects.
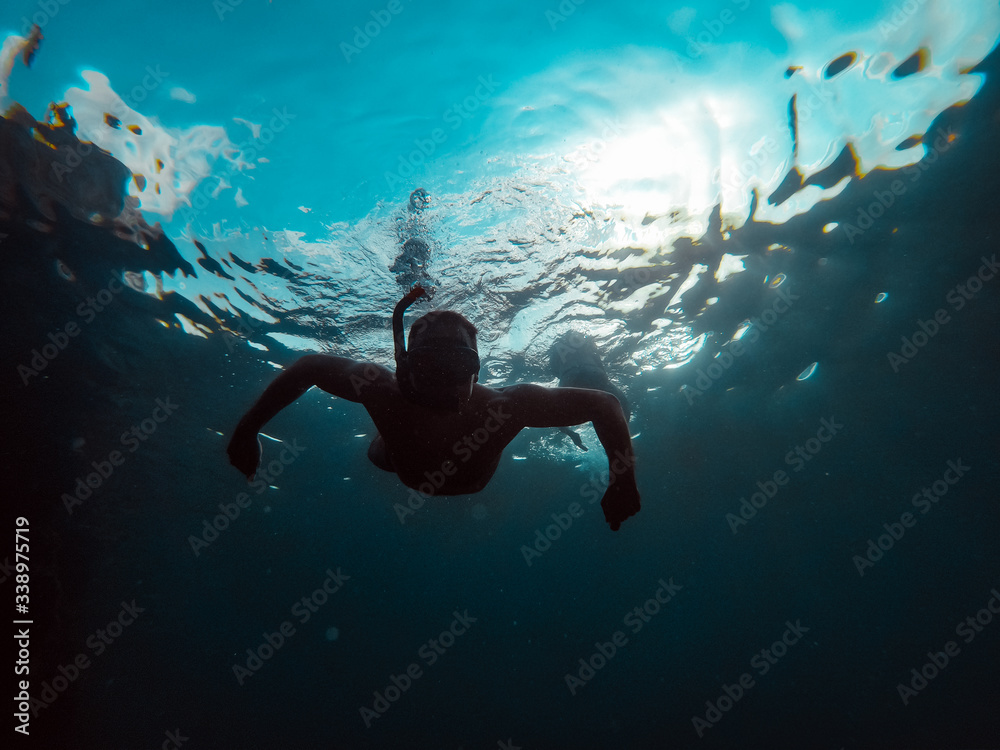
[{"x": 776, "y": 224}]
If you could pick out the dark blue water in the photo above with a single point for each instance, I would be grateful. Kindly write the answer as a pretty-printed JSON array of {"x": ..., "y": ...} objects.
[{"x": 795, "y": 630}]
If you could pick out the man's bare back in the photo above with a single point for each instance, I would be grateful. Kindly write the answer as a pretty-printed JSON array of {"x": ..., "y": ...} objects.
[{"x": 454, "y": 448}]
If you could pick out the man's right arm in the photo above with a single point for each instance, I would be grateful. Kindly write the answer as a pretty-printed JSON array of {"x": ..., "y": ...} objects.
[{"x": 338, "y": 376}]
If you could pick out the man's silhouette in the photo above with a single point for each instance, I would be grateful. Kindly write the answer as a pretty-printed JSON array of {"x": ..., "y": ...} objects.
[{"x": 433, "y": 418}]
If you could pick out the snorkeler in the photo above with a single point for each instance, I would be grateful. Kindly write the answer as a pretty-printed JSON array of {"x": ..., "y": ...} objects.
[
  {"x": 574, "y": 359},
  {"x": 410, "y": 265},
  {"x": 438, "y": 429}
]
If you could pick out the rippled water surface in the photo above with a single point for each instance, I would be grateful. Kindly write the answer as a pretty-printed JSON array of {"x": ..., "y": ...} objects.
[{"x": 775, "y": 222}]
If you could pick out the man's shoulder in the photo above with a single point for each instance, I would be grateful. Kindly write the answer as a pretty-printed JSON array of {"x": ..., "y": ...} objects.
[
  {"x": 371, "y": 380},
  {"x": 516, "y": 398},
  {"x": 380, "y": 373},
  {"x": 508, "y": 391},
  {"x": 520, "y": 391},
  {"x": 544, "y": 406}
]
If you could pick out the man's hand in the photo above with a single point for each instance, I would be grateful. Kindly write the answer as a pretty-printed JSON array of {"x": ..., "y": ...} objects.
[
  {"x": 620, "y": 501},
  {"x": 244, "y": 451}
]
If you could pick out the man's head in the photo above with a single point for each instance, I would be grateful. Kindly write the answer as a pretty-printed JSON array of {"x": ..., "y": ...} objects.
[
  {"x": 443, "y": 361},
  {"x": 442, "y": 326}
]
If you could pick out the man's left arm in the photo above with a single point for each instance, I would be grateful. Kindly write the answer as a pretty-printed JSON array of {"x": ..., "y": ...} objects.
[{"x": 537, "y": 406}]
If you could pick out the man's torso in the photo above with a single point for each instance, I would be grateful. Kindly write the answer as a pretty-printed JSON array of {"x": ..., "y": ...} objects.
[{"x": 452, "y": 453}]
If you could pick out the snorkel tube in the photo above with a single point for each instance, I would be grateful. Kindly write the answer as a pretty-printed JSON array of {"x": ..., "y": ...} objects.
[
  {"x": 399, "y": 342},
  {"x": 398, "y": 339}
]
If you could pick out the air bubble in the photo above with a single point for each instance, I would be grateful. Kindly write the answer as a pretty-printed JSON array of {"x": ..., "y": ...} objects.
[
  {"x": 807, "y": 373},
  {"x": 65, "y": 271}
]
